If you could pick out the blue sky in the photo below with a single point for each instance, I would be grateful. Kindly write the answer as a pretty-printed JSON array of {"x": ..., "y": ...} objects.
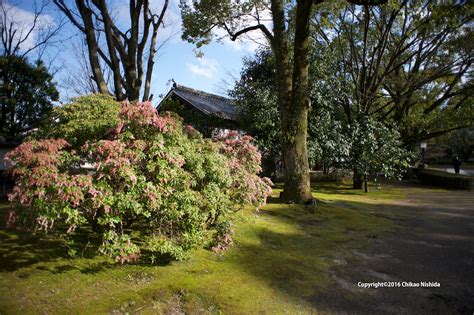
[{"x": 176, "y": 60}]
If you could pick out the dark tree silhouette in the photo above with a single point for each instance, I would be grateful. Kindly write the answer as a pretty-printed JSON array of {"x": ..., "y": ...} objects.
[{"x": 26, "y": 93}]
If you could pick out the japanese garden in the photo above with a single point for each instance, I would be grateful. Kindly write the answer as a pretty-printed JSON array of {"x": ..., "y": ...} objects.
[{"x": 222, "y": 157}]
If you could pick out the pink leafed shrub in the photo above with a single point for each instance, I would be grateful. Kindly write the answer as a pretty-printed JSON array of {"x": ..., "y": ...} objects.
[
  {"x": 245, "y": 165},
  {"x": 149, "y": 174}
]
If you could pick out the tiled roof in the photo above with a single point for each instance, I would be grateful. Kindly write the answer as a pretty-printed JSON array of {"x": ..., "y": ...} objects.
[{"x": 209, "y": 104}]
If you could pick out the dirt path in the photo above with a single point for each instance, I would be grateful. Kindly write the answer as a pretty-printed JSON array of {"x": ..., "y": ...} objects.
[{"x": 435, "y": 244}]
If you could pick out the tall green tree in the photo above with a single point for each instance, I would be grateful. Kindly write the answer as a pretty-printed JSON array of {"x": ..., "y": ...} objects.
[
  {"x": 290, "y": 44},
  {"x": 375, "y": 148},
  {"x": 408, "y": 63},
  {"x": 366, "y": 146},
  {"x": 26, "y": 95}
]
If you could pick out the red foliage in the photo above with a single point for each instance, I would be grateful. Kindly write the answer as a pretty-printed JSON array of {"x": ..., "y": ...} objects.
[
  {"x": 244, "y": 163},
  {"x": 143, "y": 114}
]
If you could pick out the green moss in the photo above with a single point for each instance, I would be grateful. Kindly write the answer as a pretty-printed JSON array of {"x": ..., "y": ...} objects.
[{"x": 280, "y": 259}]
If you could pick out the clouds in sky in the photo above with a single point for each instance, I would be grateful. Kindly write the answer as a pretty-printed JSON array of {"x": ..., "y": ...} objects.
[
  {"x": 204, "y": 67},
  {"x": 172, "y": 20},
  {"x": 23, "y": 21},
  {"x": 219, "y": 59}
]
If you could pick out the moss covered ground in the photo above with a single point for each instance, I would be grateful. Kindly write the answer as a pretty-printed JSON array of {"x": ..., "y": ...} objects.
[{"x": 279, "y": 261}]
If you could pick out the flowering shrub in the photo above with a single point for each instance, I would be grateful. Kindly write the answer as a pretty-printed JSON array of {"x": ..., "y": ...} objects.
[
  {"x": 156, "y": 187},
  {"x": 245, "y": 164}
]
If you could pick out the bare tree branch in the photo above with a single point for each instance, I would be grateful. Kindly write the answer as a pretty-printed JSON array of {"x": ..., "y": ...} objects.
[
  {"x": 15, "y": 34},
  {"x": 124, "y": 49}
]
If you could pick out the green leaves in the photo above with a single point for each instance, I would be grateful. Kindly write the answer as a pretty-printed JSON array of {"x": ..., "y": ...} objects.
[
  {"x": 376, "y": 149},
  {"x": 86, "y": 118},
  {"x": 201, "y": 19}
]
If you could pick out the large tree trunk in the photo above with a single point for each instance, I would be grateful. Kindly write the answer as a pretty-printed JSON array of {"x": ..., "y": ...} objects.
[
  {"x": 151, "y": 62},
  {"x": 93, "y": 47},
  {"x": 115, "y": 65},
  {"x": 297, "y": 182},
  {"x": 357, "y": 180},
  {"x": 293, "y": 100}
]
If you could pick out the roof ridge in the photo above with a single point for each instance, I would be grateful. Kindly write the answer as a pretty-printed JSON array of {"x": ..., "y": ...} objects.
[{"x": 202, "y": 93}]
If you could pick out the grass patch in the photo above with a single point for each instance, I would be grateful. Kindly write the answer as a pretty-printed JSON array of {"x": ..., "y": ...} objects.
[{"x": 279, "y": 261}]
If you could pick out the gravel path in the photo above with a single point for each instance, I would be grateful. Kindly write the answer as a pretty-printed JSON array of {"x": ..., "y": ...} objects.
[{"x": 435, "y": 244}]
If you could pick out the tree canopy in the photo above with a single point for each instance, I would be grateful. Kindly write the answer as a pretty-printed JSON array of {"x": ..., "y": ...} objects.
[
  {"x": 258, "y": 111},
  {"x": 365, "y": 145},
  {"x": 405, "y": 64},
  {"x": 409, "y": 62}
]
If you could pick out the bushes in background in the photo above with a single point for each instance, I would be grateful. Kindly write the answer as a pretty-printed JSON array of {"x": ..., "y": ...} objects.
[{"x": 443, "y": 179}]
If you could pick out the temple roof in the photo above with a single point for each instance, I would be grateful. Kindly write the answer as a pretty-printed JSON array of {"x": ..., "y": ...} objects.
[{"x": 209, "y": 104}]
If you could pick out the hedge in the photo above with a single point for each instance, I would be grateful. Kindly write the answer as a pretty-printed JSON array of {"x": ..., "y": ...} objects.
[{"x": 444, "y": 179}]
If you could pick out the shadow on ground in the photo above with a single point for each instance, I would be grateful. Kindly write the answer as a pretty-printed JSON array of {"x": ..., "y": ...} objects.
[
  {"x": 434, "y": 242},
  {"x": 19, "y": 250},
  {"x": 319, "y": 255},
  {"x": 22, "y": 249}
]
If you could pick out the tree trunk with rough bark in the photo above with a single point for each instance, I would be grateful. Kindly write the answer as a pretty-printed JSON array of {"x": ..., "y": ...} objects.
[
  {"x": 92, "y": 46},
  {"x": 297, "y": 186},
  {"x": 293, "y": 100},
  {"x": 357, "y": 180}
]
